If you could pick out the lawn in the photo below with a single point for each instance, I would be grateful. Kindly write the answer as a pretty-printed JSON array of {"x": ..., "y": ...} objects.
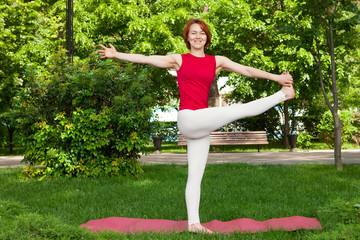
[{"x": 55, "y": 208}]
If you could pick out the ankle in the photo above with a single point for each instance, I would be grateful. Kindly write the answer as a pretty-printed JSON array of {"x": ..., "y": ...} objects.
[
  {"x": 198, "y": 228},
  {"x": 289, "y": 92}
]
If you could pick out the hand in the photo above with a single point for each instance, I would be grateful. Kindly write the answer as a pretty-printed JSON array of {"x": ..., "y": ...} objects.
[
  {"x": 107, "y": 52},
  {"x": 285, "y": 79}
]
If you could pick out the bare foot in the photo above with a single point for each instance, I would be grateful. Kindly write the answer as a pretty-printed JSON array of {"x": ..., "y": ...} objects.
[
  {"x": 198, "y": 228},
  {"x": 288, "y": 91}
]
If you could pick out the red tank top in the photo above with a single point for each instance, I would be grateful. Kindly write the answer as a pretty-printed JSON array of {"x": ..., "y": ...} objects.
[{"x": 195, "y": 77}]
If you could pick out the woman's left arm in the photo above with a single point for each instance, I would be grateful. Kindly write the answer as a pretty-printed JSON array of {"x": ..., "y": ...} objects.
[{"x": 223, "y": 63}]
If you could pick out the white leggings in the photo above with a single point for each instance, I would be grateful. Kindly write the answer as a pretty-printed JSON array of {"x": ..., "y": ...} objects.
[{"x": 196, "y": 126}]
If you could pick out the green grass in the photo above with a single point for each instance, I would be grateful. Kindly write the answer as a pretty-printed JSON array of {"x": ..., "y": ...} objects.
[{"x": 229, "y": 191}]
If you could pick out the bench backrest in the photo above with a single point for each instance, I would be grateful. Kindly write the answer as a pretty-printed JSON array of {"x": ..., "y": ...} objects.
[{"x": 234, "y": 138}]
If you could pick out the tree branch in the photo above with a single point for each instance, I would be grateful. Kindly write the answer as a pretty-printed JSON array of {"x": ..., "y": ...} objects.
[
  {"x": 318, "y": 60},
  {"x": 333, "y": 67}
]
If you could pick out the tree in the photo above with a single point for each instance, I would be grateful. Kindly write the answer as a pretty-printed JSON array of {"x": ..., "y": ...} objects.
[
  {"x": 26, "y": 39},
  {"x": 330, "y": 32},
  {"x": 252, "y": 35}
]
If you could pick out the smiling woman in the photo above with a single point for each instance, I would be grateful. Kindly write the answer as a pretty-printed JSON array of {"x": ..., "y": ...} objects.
[{"x": 195, "y": 73}]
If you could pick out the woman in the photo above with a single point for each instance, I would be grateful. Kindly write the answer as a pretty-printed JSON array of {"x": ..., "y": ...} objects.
[{"x": 195, "y": 74}]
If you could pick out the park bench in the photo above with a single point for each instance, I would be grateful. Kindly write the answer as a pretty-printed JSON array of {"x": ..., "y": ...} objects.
[{"x": 233, "y": 138}]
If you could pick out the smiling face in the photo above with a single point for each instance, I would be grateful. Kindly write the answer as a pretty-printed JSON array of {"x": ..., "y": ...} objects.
[
  {"x": 197, "y": 37},
  {"x": 195, "y": 27}
]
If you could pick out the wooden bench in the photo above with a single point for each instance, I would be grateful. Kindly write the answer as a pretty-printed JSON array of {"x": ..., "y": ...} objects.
[{"x": 233, "y": 138}]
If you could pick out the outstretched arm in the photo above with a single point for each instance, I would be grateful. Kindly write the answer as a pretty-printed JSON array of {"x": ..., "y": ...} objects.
[
  {"x": 223, "y": 63},
  {"x": 169, "y": 61}
]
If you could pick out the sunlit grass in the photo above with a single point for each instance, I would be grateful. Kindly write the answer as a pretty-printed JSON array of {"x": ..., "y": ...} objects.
[{"x": 229, "y": 191}]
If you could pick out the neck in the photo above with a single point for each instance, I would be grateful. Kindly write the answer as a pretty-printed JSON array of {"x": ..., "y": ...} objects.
[{"x": 197, "y": 52}]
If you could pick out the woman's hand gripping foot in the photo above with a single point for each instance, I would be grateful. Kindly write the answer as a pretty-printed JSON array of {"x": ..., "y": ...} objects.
[
  {"x": 287, "y": 82},
  {"x": 198, "y": 228}
]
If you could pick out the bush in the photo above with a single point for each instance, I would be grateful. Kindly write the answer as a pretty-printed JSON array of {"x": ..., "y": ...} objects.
[
  {"x": 326, "y": 127},
  {"x": 168, "y": 130},
  {"x": 304, "y": 140},
  {"x": 356, "y": 136},
  {"x": 90, "y": 118}
]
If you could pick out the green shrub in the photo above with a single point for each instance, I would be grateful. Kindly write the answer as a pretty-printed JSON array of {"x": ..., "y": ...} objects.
[
  {"x": 168, "y": 130},
  {"x": 90, "y": 118},
  {"x": 304, "y": 140},
  {"x": 356, "y": 136},
  {"x": 326, "y": 127}
]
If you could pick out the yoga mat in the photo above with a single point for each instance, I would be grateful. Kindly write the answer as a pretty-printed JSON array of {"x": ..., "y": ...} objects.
[{"x": 135, "y": 225}]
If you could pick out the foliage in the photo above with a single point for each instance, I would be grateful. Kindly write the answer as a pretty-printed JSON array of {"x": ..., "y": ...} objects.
[
  {"x": 3, "y": 135},
  {"x": 86, "y": 119},
  {"x": 304, "y": 140},
  {"x": 274, "y": 36},
  {"x": 167, "y": 130},
  {"x": 326, "y": 127},
  {"x": 356, "y": 136},
  {"x": 330, "y": 32},
  {"x": 254, "y": 34},
  {"x": 27, "y": 36}
]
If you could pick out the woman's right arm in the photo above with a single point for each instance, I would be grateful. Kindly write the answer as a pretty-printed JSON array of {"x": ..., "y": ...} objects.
[{"x": 169, "y": 61}]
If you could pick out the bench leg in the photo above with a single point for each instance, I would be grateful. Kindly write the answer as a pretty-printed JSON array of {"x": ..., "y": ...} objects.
[{"x": 258, "y": 148}]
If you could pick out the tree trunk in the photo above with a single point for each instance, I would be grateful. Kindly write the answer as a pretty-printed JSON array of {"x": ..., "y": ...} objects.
[
  {"x": 338, "y": 143},
  {"x": 11, "y": 131},
  {"x": 337, "y": 122},
  {"x": 286, "y": 127},
  {"x": 214, "y": 95}
]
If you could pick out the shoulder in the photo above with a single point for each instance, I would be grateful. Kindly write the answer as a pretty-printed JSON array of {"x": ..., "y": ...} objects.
[
  {"x": 221, "y": 60},
  {"x": 175, "y": 56},
  {"x": 176, "y": 59}
]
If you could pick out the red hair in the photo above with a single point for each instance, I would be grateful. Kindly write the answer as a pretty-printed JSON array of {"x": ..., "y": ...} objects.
[{"x": 203, "y": 27}]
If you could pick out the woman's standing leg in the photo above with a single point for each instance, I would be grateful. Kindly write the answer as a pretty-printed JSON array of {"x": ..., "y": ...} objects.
[{"x": 197, "y": 152}]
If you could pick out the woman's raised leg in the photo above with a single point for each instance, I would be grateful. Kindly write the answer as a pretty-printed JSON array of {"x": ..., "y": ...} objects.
[{"x": 200, "y": 123}]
